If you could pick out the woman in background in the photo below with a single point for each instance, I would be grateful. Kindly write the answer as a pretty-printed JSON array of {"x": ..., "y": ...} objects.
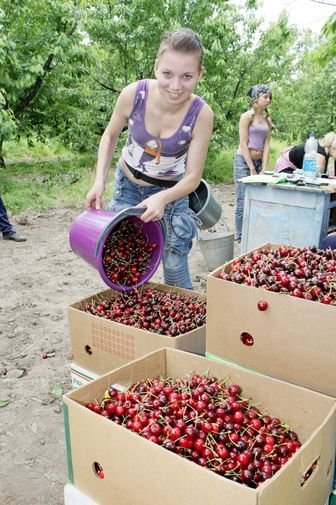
[
  {"x": 254, "y": 140},
  {"x": 292, "y": 157}
]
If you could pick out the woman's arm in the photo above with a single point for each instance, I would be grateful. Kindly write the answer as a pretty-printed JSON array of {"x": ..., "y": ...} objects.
[
  {"x": 195, "y": 163},
  {"x": 108, "y": 144},
  {"x": 265, "y": 158},
  {"x": 244, "y": 123},
  {"x": 321, "y": 163}
]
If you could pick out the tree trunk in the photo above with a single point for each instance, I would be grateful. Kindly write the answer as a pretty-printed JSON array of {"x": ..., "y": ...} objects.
[
  {"x": 33, "y": 90},
  {"x": 228, "y": 114}
]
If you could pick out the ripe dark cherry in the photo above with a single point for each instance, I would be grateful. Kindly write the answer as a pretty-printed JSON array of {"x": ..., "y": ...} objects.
[
  {"x": 307, "y": 273},
  {"x": 241, "y": 443},
  {"x": 164, "y": 312},
  {"x": 262, "y": 305}
]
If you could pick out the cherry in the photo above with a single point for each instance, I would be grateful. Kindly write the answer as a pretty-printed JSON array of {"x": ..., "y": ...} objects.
[
  {"x": 198, "y": 444},
  {"x": 243, "y": 460},
  {"x": 152, "y": 309},
  {"x": 247, "y": 475},
  {"x": 307, "y": 273},
  {"x": 234, "y": 390},
  {"x": 255, "y": 423},
  {"x": 247, "y": 339},
  {"x": 222, "y": 451},
  {"x": 262, "y": 305},
  {"x": 229, "y": 436},
  {"x": 268, "y": 448}
]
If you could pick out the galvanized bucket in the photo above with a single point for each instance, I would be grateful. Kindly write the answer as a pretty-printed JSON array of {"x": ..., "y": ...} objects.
[
  {"x": 217, "y": 248},
  {"x": 205, "y": 205}
]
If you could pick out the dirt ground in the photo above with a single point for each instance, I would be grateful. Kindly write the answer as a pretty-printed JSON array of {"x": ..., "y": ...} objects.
[{"x": 39, "y": 279}]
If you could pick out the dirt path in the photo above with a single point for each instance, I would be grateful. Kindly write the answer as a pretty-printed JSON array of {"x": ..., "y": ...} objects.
[{"x": 39, "y": 279}]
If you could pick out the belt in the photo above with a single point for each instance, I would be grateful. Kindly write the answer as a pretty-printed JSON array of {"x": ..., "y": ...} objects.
[{"x": 151, "y": 180}]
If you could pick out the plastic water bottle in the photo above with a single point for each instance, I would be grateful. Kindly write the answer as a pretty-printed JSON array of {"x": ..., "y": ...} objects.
[{"x": 310, "y": 159}]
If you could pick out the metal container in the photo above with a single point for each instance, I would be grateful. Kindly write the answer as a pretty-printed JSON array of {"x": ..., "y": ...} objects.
[{"x": 205, "y": 205}]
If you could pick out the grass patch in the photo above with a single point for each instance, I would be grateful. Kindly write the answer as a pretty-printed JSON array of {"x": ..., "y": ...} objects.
[
  {"x": 221, "y": 168},
  {"x": 39, "y": 186},
  {"x": 33, "y": 149},
  {"x": 63, "y": 182}
]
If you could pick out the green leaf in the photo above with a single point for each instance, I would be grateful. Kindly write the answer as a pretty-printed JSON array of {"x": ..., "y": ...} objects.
[{"x": 4, "y": 403}]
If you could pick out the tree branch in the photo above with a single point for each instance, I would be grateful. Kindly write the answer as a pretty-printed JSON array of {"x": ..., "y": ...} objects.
[
  {"x": 228, "y": 113},
  {"x": 323, "y": 3},
  {"x": 105, "y": 86},
  {"x": 32, "y": 91}
]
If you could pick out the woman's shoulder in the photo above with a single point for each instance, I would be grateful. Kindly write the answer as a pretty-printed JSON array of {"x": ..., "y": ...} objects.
[
  {"x": 130, "y": 89},
  {"x": 128, "y": 93},
  {"x": 247, "y": 117},
  {"x": 206, "y": 112}
]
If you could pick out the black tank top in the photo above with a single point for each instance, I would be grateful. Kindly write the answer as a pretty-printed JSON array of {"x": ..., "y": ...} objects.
[{"x": 296, "y": 154}]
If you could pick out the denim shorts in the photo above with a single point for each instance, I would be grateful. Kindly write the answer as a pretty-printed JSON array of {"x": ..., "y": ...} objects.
[{"x": 181, "y": 225}]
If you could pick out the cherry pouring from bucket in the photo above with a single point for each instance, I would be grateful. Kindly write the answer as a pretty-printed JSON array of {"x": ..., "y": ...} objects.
[{"x": 127, "y": 253}]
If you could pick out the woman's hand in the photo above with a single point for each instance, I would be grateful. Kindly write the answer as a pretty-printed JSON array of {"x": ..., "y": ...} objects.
[
  {"x": 94, "y": 197},
  {"x": 155, "y": 206}
]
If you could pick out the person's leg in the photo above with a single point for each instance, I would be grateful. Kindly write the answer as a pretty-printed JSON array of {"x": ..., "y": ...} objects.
[
  {"x": 240, "y": 170},
  {"x": 5, "y": 227},
  {"x": 181, "y": 229}
]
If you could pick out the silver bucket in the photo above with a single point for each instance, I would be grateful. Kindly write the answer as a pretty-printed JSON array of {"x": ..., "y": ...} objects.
[
  {"x": 217, "y": 248},
  {"x": 205, "y": 205}
]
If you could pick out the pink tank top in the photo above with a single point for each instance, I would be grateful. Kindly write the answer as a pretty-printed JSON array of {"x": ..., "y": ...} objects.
[{"x": 257, "y": 134}]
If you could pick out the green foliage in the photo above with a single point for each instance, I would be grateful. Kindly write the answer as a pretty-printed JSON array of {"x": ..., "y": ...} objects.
[
  {"x": 64, "y": 81},
  {"x": 49, "y": 184},
  {"x": 32, "y": 148},
  {"x": 64, "y": 62},
  {"x": 220, "y": 169},
  {"x": 44, "y": 59},
  {"x": 307, "y": 102},
  {"x": 275, "y": 150},
  {"x": 327, "y": 52}
]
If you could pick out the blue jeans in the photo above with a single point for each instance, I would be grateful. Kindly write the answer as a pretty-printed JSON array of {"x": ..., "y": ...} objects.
[
  {"x": 240, "y": 170},
  {"x": 5, "y": 227},
  {"x": 181, "y": 226}
]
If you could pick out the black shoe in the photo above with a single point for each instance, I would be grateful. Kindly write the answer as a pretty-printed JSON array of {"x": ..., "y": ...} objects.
[{"x": 15, "y": 237}]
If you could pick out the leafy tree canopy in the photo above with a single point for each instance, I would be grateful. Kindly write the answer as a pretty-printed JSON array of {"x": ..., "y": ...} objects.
[{"x": 63, "y": 63}]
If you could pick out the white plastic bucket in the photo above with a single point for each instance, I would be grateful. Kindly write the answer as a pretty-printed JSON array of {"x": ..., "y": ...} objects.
[{"x": 217, "y": 248}]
